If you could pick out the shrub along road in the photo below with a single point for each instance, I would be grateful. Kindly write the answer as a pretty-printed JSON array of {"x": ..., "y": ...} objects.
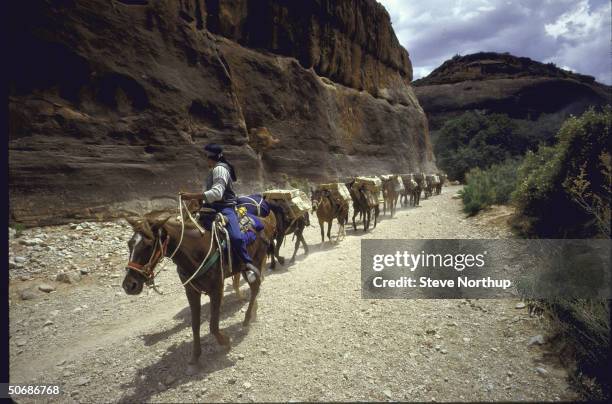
[{"x": 315, "y": 338}]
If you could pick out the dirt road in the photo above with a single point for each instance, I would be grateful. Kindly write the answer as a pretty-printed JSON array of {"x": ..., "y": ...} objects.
[{"x": 315, "y": 338}]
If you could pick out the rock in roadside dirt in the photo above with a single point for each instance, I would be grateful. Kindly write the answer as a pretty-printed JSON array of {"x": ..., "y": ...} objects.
[
  {"x": 27, "y": 294},
  {"x": 68, "y": 277},
  {"x": 30, "y": 242},
  {"x": 538, "y": 339},
  {"x": 44, "y": 287}
]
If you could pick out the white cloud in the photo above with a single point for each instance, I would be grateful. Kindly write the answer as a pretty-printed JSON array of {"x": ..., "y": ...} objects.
[
  {"x": 574, "y": 33},
  {"x": 422, "y": 71},
  {"x": 579, "y": 23}
]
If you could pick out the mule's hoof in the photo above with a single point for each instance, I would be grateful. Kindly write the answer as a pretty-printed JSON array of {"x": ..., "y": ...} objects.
[
  {"x": 225, "y": 348},
  {"x": 281, "y": 260},
  {"x": 224, "y": 341},
  {"x": 193, "y": 369}
]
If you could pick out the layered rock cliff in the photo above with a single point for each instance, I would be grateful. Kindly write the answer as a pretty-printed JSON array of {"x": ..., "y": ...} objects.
[
  {"x": 110, "y": 103},
  {"x": 520, "y": 87}
]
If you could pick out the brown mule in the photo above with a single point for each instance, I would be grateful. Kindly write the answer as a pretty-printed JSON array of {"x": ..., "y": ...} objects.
[
  {"x": 364, "y": 203},
  {"x": 431, "y": 184},
  {"x": 285, "y": 225},
  {"x": 157, "y": 235},
  {"x": 390, "y": 195},
  {"x": 328, "y": 209},
  {"x": 412, "y": 192},
  {"x": 442, "y": 180},
  {"x": 357, "y": 209},
  {"x": 420, "y": 180}
]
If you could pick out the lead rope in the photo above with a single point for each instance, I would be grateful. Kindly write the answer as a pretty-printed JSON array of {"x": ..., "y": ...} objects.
[
  {"x": 229, "y": 249},
  {"x": 214, "y": 237},
  {"x": 288, "y": 231},
  {"x": 222, "y": 277},
  {"x": 255, "y": 203}
]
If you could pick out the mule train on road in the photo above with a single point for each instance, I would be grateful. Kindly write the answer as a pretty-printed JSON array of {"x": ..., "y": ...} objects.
[{"x": 197, "y": 240}]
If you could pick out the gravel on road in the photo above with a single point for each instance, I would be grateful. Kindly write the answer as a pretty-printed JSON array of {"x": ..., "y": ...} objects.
[{"x": 316, "y": 339}]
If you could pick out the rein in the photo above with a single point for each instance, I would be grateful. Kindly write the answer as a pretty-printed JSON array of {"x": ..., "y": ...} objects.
[{"x": 287, "y": 231}]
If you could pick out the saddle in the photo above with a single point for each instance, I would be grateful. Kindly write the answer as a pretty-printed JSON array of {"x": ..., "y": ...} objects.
[
  {"x": 249, "y": 223},
  {"x": 250, "y": 226}
]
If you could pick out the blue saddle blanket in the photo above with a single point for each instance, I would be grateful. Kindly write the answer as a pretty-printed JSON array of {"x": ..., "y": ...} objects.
[
  {"x": 255, "y": 205},
  {"x": 248, "y": 235}
]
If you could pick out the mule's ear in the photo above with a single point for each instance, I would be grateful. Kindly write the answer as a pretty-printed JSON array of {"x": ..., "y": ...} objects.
[
  {"x": 132, "y": 221},
  {"x": 159, "y": 221}
]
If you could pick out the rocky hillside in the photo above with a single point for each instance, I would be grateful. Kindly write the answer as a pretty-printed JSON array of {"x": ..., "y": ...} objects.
[
  {"x": 110, "y": 103},
  {"x": 520, "y": 87}
]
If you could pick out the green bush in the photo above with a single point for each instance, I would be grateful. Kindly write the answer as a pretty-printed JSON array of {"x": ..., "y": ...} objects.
[
  {"x": 584, "y": 327},
  {"x": 18, "y": 227},
  {"x": 488, "y": 187},
  {"x": 548, "y": 180},
  {"x": 478, "y": 140},
  {"x": 563, "y": 191}
]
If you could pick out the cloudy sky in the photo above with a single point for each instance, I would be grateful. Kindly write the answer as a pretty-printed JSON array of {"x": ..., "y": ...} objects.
[{"x": 573, "y": 34}]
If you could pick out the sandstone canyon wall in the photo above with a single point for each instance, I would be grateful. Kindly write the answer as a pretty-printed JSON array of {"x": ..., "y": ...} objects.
[{"x": 111, "y": 102}]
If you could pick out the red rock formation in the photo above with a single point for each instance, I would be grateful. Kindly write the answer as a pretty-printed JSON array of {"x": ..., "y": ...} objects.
[{"x": 110, "y": 103}]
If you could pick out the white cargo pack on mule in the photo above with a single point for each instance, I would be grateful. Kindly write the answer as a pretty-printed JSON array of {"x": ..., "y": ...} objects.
[
  {"x": 371, "y": 184},
  {"x": 399, "y": 184},
  {"x": 338, "y": 190},
  {"x": 296, "y": 200}
]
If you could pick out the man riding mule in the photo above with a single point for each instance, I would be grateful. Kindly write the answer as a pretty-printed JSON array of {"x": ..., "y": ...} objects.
[
  {"x": 199, "y": 262},
  {"x": 220, "y": 196},
  {"x": 200, "y": 256}
]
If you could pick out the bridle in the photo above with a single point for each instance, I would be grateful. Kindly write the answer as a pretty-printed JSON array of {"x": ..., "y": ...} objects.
[
  {"x": 148, "y": 270},
  {"x": 159, "y": 251}
]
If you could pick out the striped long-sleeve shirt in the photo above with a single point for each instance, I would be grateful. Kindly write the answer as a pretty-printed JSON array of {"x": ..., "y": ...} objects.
[{"x": 218, "y": 187}]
